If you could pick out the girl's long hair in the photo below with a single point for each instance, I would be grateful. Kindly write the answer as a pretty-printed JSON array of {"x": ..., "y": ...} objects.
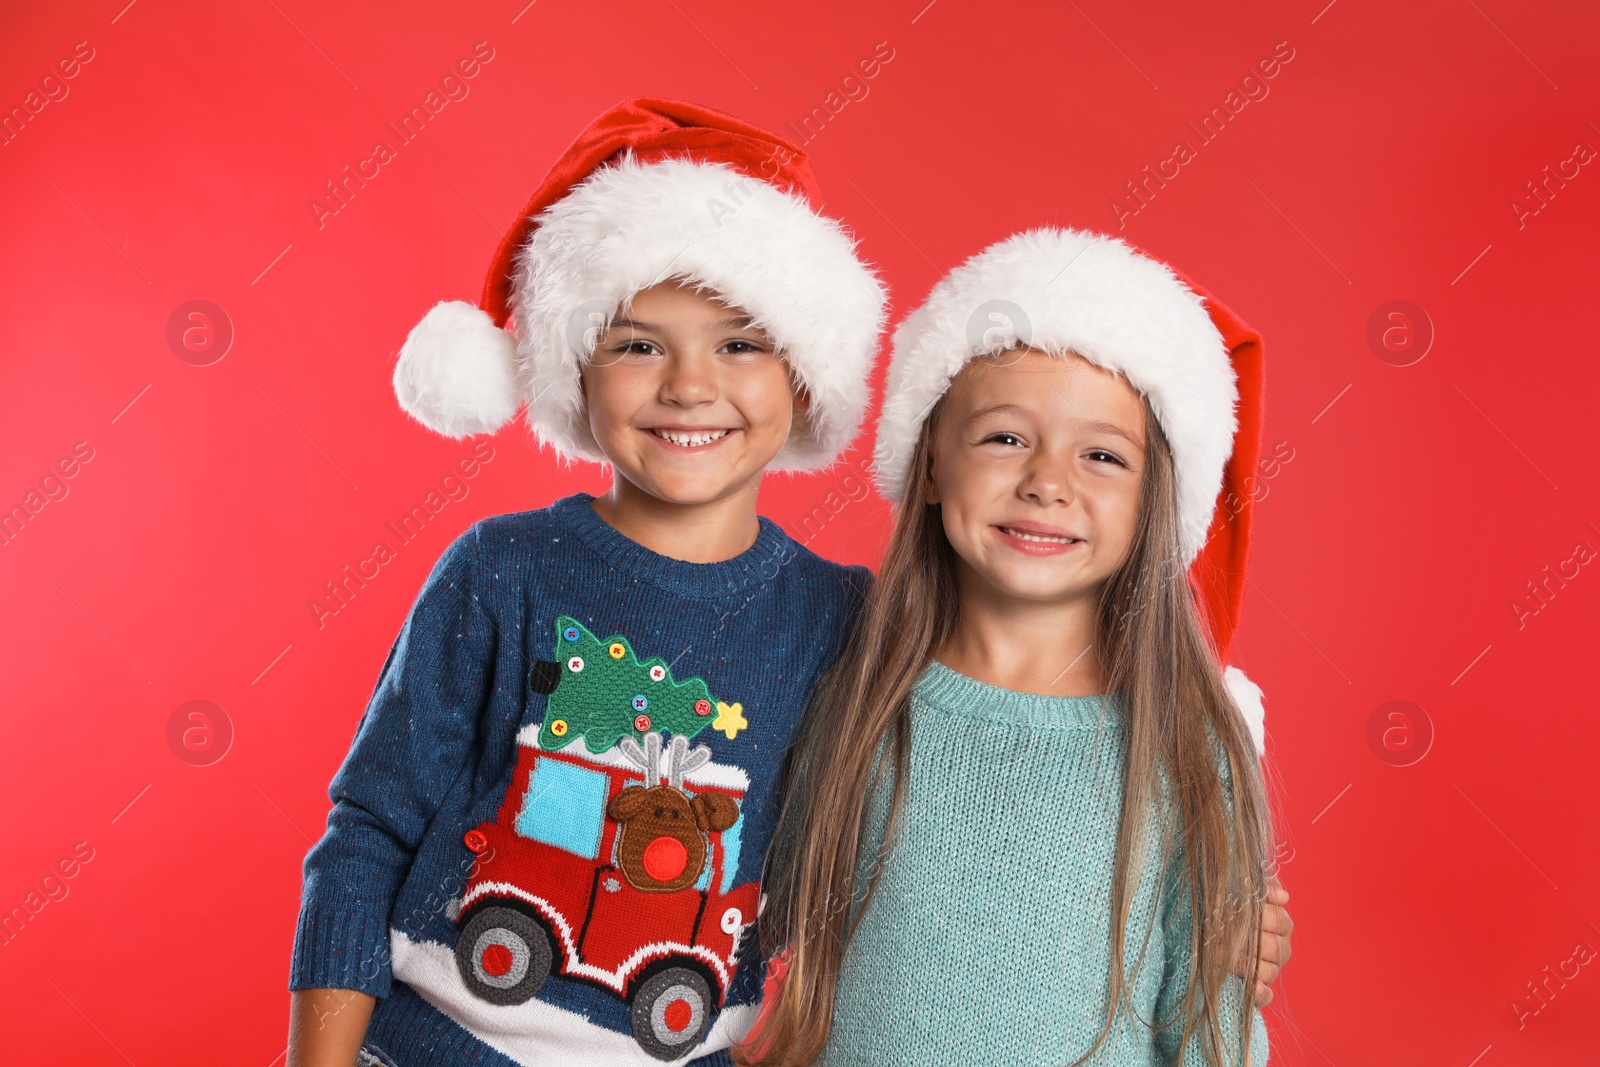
[{"x": 1181, "y": 725}]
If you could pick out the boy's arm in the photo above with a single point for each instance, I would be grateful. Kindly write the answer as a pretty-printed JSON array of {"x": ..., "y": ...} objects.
[
  {"x": 1274, "y": 949},
  {"x": 326, "y": 1026},
  {"x": 419, "y": 730}
]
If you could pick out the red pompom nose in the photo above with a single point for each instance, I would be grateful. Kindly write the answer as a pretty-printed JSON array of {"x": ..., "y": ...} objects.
[{"x": 665, "y": 858}]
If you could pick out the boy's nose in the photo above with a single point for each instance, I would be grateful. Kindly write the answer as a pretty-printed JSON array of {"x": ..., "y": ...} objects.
[{"x": 688, "y": 381}]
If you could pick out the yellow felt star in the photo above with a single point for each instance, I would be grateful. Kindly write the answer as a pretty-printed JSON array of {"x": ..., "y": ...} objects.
[{"x": 730, "y": 719}]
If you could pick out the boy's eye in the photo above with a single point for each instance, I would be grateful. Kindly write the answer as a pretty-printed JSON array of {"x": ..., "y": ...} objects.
[{"x": 636, "y": 347}]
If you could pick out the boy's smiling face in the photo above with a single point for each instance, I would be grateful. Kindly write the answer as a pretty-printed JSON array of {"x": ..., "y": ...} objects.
[{"x": 687, "y": 400}]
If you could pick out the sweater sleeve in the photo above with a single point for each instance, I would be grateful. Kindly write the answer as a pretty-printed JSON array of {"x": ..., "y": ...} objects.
[
  {"x": 417, "y": 733},
  {"x": 1178, "y": 926}
]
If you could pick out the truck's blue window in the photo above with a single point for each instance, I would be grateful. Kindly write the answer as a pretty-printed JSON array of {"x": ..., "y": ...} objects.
[
  {"x": 730, "y": 852},
  {"x": 565, "y": 806}
]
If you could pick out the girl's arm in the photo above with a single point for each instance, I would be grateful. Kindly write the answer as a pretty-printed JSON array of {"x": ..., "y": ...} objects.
[
  {"x": 1177, "y": 924},
  {"x": 326, "y": 1026}
]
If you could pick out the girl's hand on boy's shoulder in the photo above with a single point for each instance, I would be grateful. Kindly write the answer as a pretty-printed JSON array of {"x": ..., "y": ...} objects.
[{"x": 1274, "y": 948}]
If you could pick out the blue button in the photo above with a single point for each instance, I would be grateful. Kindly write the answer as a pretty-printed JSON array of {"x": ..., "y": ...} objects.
[
  {"x": 570, "y": 633},
  {"x": 640, "y": 703}
]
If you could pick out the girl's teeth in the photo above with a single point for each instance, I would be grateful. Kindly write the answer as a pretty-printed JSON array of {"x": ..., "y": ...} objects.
[
  {"x": 691, "y": 440},
  {"x": 1040, "y": 537}
]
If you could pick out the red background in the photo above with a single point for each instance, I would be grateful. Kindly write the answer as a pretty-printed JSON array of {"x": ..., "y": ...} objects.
[{"x": 1418, "y": 502}]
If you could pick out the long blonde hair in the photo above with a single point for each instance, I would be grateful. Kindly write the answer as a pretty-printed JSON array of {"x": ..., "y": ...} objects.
[{"x": 1181, "y": 722}]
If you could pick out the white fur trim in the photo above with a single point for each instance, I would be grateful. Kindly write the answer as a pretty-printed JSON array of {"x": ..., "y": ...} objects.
[
  {"x": 1247, "y": 695},
  {"x": 457, "y": 372},
  {"x": 629, "y": 226},
  {"x": 1090, "y": 294},
  {"x": 536, "y": 1032}
]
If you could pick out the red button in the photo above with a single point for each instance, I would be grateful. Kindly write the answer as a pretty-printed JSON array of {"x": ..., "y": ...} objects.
[
  {"x": 702, "y": 707},
  {"x": 475, "y": 841},
  {"x": 641, "y": 723},
  {"x": 665, "y": 858}
]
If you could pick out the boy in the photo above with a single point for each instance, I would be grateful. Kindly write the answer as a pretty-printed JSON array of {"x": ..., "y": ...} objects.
[{"x": 547, "y": 837}]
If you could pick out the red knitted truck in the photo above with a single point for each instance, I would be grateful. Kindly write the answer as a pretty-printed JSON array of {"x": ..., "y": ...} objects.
[{"x": 614, "y": 869}]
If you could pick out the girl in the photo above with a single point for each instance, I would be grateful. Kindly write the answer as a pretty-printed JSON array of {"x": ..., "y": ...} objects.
[{"x": 1026, "y": 821}]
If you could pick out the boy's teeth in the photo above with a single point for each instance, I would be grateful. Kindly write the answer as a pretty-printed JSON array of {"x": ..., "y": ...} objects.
[
  {"x": 1040, "y": 537},
  {"x": 691, "y": 440}
]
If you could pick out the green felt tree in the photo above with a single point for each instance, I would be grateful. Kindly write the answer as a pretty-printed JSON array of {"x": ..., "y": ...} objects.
[{"x": 605, "y": 692}]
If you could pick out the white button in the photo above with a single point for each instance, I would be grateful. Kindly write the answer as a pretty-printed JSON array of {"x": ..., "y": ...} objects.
[{"x": 732, "y": 919}]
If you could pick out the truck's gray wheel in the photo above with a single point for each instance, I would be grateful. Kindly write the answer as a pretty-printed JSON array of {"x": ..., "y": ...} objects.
[
  {"x": 671, "y": 1012},
  {"x": 503, "y": 955}
]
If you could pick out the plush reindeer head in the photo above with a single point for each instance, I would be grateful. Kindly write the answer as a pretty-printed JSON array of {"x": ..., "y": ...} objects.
[{"x": 662, "y": 845}]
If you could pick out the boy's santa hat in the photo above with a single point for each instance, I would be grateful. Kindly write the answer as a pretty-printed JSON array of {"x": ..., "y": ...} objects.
[
  {"x": 1197, "y": 363},
  {"x": 653, "y": 190}
]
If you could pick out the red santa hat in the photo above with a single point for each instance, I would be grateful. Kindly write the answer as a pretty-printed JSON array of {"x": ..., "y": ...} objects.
[
  {"x": 1197, "y": 363},
  {"x": 653, "y": 190}
]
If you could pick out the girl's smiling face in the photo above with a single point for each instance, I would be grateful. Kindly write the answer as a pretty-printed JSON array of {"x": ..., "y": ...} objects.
[
  {"x": 686, "y": 399},
  {"x": 1037, "y": 466}
]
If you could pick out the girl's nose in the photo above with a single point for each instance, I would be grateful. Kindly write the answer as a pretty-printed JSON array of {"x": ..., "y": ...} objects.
[{"x": 1047, "y": 481}]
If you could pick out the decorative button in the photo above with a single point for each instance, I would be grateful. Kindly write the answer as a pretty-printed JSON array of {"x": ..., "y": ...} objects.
[
  {"x": 617, "y": 649},
  {"x": 640, "y": 703},
  {"x": 559, "y": 727},
  {"x": 641, "y": 723},
  {"x": 702, "y": 707},
  {"x": 732, "y": 919},
  {"x": 575, "y": 664},
  {"x": 570, "y": 633},
  {"x": 475, "y": 840},
  {"x": 657, "y": 672}
]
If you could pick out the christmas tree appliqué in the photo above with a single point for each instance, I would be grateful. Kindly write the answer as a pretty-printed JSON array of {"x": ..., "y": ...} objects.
[{"x": 604, "y": 692}]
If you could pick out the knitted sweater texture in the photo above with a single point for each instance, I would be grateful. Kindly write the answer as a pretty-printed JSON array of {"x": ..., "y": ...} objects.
[
  {"x": 988, "y": 937},
  {"x": 547, "y": 838}
]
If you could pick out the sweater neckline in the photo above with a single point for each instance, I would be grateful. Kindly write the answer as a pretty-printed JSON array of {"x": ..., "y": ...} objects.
[
  {"x": 948, "y": 690},
  {"x": 756, "y": 565}
]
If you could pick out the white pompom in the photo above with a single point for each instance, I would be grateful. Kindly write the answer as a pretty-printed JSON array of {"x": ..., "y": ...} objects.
[
  {"x": 457, "y": 373},
  {"x": 1247, "y": 695}
]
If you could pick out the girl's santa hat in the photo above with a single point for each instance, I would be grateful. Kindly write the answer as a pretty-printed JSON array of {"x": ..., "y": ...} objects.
[
  {"x": 1196, "y": 362},
  {"x": 653, "y": 190}
]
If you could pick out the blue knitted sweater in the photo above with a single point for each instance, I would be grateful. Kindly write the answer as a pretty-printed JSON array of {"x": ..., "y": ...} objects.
[
  {"x": 547, "y": 838},
  {"x": 987, "y": 939}
]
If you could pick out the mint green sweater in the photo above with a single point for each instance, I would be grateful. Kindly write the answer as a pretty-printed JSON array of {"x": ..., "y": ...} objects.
[{"x": 988, "y": 938}]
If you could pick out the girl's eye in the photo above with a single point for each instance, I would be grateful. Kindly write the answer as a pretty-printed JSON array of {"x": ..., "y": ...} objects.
[
  {"x": 741, "y": 346},
  {"x": 1112, "y": 456},
  {"x": 1004, "y": 438},
  {"x": 636, "y": 348}
]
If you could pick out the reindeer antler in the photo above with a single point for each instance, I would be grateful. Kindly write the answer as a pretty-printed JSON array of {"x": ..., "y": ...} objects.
[
  {"x": 647, "y": 759},
  {"x": 682, "y": 760}
]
